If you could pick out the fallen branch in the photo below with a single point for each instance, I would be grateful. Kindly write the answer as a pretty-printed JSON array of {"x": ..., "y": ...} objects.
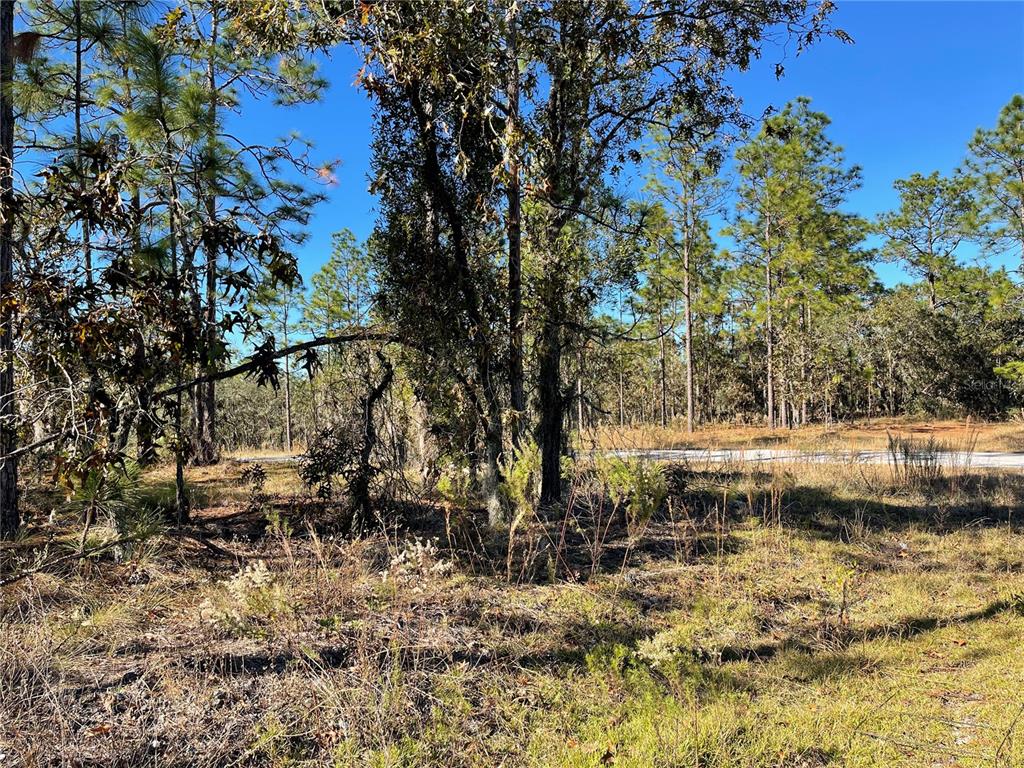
[
  {"x": 77, "y": 555},
  {"x": 249, "y": 365},
  {"x": 219, "y": 551}
]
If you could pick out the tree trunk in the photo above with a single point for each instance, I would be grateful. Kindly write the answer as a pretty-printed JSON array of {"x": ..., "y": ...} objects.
[
  {"x": 579, "y": 409},
  {"x": 145, "y": 427},
  {"x": 287, "y": 404},
  {"x": 79, "y": 165},
  {"x": 359, "y": 486},
  {"x": 145, "y": 420},
  {"x": 769, "y": 335},
  {"x": 804, "y": 383},
  {"x": 514, "y": 225},
  {"x": 663, "y": 375},
  {"x": 190, "y": 273},
  {"x": 496, "y": 512},
  {"x": 688, "y": 312},
  {"x": 181, "y": 500},
  {"x": 9, "y": 517},
  {"x": 551, "y": 408},
  {"x": 206, "y": 436},
  {"x": 95, "y": 386},
  {"x": 622, "y": 405},
  {"x": 493, "y": 440},
  {"x": 1021, "y": 210}
]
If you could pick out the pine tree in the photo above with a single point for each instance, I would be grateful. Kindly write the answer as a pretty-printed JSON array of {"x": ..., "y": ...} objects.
[
  {"x": 790, "y": 235},
  {"x": 340, "y": 299},
  {"x": 935, "y": 217},
  {"x": 661, "y": 292},
  {"x": 996, "y": 162},
  {"x": 227, "y": 187},
  {"x": 601, "y": 76},
  {"x": 341, "y": 291},
  {"x": 688, "y": 184}
]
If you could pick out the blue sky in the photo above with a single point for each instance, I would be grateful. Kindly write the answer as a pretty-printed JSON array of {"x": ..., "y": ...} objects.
[{"x": 905, "y": 97}]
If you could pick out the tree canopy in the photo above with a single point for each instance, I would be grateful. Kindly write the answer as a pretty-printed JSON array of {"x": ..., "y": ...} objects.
[{"x": 516, "y": 289}]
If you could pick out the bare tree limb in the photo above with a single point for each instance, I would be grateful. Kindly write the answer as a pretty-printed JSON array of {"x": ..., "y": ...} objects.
[{"x": 255, "y": 362}]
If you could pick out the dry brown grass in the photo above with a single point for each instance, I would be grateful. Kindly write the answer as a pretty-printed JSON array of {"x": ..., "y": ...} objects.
[
  {"x": 816, "y": 615},
  {"x": 220, "y": 486},
  {"x": 861, "y": 435}
]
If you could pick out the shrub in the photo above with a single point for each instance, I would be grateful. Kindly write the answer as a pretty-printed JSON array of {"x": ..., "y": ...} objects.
[
  {"x": 332, "y": 455},
  {"x": 636, "y": 486},
  {"x": 343, "y": 452},
  {"x": 417, "y": 558},
  {"x": 455, "y": 485},
  {"x": 113, "y": 492},
  {"x": 248, "y": 603},
  {"x": 521, "y": 487},
  {"x": 255, "y": 476}
]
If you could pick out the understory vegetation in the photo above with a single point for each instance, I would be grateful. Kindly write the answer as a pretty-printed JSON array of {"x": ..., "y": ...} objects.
[{"x": 806, "y": 615}]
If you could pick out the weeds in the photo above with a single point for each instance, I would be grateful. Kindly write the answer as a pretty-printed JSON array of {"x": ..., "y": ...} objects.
[
  {"x": 873, "y": 637},
  {"x": 521, "y": 493},
  {"x": 915, "y": 464},
  {"x": 416, "y": 559},
  {"x": 636, "y": 487},
  {"x": 254, "y": 476},
  {"x": 248, "y": 604}
]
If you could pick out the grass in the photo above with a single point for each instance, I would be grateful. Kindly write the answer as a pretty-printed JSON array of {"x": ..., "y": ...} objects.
[
  {"x": 825, "y": 615},
  {"x": 869, "y": 434}
]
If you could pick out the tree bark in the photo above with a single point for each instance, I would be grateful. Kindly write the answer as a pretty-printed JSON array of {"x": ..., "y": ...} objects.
[
  {"x": 95, "y": 384},
  {"x": 441, "y": 196},
  {"x": 622, "y": 405},
  {"x": 181, "y": 500},
  {"x": 551, "y": 407},
  {"x": 579, "y": 408},
  {"x": 206, "y": 435},
  {"x": 287, "y": 404},
  {"x": 769, "y": 333},
  {"x": 663, "y": 374},
  {"x": 804, "y": 383},
  {"x": 688, "y": 312},
  {"x": 9, "y": 516},
  {"x": 145, "y": 427},
  {"x": 496, "y": 513},
  {"x": 80, "y": 167},
  {"x": 359, "y": 486},
  {"x": 514, "y": 225}
]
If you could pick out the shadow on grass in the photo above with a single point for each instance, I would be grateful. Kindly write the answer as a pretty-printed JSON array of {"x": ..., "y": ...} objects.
[
  {"x": 697, "y": 530},
  {"x": 905, "y": 629},
  {"x": 976, "y": 499},
  {"x": 161, "y": 495}
]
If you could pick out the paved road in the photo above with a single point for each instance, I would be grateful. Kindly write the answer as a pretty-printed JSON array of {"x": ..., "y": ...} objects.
[
  {"x": 977, "y": 459},
  {"x": 276, "y": 458}
]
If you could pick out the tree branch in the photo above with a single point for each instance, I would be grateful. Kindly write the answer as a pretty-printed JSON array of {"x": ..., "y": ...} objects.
[{"x": 255, "y": 362}]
